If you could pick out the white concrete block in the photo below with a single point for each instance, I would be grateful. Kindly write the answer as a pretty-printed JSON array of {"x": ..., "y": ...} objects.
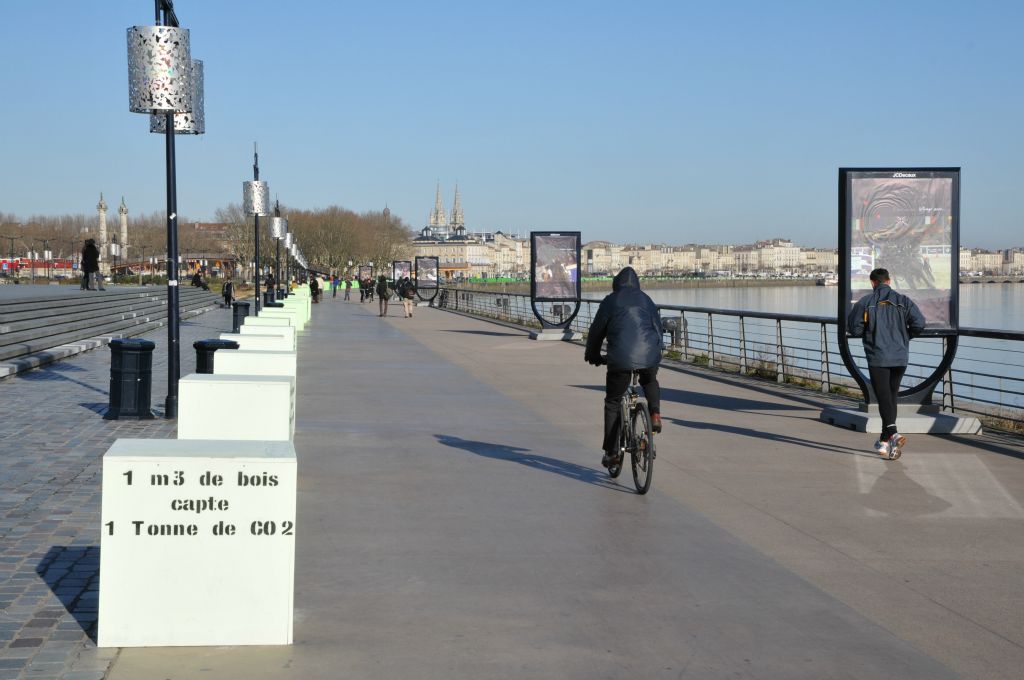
[
  {"x": 295, "y": 315},
  {"x": 284, "y": 330},
  {"x": 273, "y": 343},
  {"x": 266, "y": 321},
  {"x": 217, "y": 406},
  {"x": 255, "y": 362},
  {"x": 197, "y": 543}
]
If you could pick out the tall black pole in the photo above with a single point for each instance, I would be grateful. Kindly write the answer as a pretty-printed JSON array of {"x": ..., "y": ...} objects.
[
  {"x": 277, "y": 264},
  {"x": 173, "y": 331},
  {"x": 256, "y": 231}
]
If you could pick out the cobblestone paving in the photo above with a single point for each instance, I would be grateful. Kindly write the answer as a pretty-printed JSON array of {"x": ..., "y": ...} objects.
[{"x": 52, "y": 438}]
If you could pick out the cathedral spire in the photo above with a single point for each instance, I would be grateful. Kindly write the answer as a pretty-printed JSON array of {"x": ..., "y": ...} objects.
[
  {"x": 437, "y": 216},
  {"x": 457, "y": 219}
]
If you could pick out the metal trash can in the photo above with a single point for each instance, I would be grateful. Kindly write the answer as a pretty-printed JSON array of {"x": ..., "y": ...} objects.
[
  {"x": 268, "y": 297},
  {"x": 239, "y": 310},
  {"x": 274, "y": 304},
  {"x": 205, "y": 350},
  {"x": 282, "y": 293},
  {"x": 131, "y": 379}
]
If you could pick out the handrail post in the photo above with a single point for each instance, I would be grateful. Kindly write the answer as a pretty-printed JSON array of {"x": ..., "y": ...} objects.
[
  {"x": 947, "y": 385},
  {"x": 711, "y": 342},
  {"x": 826, "y": 377},
  {"x": 686, "y": 336},
  {"x": 743, "y": 346},
  {"x": 780, "y": 362}
]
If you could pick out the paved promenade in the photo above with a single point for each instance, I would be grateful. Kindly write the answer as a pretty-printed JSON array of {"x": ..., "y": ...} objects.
[{"x": 454, "y": 522}]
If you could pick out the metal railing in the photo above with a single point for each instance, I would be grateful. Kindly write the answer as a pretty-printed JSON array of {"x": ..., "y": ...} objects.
[{"x": 986, "y": 378}]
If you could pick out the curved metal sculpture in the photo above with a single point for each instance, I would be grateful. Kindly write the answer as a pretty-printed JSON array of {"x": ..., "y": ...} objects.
[
  {"x": 159, "y": 70},
  {"x": 192, "y": 122}
]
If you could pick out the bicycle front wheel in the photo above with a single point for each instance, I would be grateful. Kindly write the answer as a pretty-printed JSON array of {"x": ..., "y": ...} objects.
[{"x": 642, "y": 448}]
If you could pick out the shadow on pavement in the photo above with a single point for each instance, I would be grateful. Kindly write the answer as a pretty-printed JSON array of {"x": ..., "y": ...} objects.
[
  {"x": 710, "y": 400},
  {"x": 494, "y": 333},
  {"x": 48, "y": 372},
  {"x": 73, "y": 574},
  {"x": 522, "y": 456},
  {"x": 761, "y": 435}
]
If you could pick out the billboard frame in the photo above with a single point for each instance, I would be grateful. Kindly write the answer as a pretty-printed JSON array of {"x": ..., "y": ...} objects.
[
  {"x": 437, "y": 273},
  {"x": 394, "y": 272},
  {"x": 922, "y": 392},
  {"x": 566, "y": 322}
]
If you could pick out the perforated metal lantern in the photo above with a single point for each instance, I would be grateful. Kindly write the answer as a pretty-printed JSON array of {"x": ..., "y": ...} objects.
[
  {"x": 159, "y": 69},
  {"x": 193, "y": 122},
  {"x": 278, "y": 227},
  {"x": 256, "y": 198},
  {"x": 288, "y": 241}
]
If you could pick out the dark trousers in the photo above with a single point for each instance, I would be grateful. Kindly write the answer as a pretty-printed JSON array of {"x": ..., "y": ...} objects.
[
  {"x": 886, "y": 382},
  {"x": 615, "y": 386}
]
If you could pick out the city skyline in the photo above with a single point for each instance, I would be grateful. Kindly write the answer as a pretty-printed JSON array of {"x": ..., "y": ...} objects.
[{"x": 664, "y": 120}]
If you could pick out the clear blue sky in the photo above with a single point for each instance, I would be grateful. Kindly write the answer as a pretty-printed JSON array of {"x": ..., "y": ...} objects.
[{"x": 642, "y": 121}]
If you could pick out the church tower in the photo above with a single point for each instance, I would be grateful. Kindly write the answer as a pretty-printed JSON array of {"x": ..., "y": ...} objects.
[
  {"x": 102, "y": 208},
  {"x": 123, "y": 213},
  {"x": 438, "y": 222},
  {"x": 457, "y": 219}
]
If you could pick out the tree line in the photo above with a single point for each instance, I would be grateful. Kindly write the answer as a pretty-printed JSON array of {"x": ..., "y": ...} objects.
[{"x": 329, "y": 237}]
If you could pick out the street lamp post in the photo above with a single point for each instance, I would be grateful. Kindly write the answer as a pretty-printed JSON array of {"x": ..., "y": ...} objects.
[
  {"x": 161, "y": 84},
  {"x": 278, "y": 229},
  {"x": 287, "y": 262},
  {"x": 46, "y": 255},
  {"x": 255, "y": 202}
]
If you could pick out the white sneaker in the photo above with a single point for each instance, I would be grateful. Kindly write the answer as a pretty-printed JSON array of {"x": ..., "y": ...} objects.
[
  {"x": 896, "y": 444},
  {"x": 882, "y": 448}
]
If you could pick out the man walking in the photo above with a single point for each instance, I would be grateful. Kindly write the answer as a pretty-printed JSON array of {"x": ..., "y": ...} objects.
[{"x": 886, "y": 320}]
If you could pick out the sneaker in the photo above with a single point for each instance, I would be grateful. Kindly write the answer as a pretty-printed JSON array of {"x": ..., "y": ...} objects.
[
  {"x": 896, "y": 444},
  {"x": 882, "y": 448},
  {"x": 656, "y": 422}
]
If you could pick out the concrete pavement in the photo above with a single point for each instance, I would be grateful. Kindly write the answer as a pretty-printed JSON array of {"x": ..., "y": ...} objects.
[{"x": 454, "y": 522}]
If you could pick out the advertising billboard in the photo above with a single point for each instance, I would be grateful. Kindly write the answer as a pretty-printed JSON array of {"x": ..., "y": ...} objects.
[
  {"x": 906, "y": 221},
  {"x": 426, "y": 272},
  {"x": 365, "y": 272},
  {"x": 400, "y": 269},
  {"x": 555, "y": 265}
]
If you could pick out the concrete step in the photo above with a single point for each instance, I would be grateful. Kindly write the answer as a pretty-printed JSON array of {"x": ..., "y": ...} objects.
[
  {"x": 60, "y": 332},
  {"x": 71, "y": 347},
  {"x": 27, "y": 331}
]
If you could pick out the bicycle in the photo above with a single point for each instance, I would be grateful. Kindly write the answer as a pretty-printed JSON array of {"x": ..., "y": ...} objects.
[{"x": 636, "y": 436}]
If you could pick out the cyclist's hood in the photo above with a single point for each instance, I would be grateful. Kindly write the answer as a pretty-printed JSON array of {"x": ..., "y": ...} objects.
[{"x": 626, "y": 278}]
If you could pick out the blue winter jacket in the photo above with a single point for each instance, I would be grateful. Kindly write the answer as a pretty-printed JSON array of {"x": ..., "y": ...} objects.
[
  {"x": 887, "y": 321},
  {"x": 630, "y": 321}
]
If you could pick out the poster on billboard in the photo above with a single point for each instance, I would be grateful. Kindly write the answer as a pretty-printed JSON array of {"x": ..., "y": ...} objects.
[
  {"x": 426, "y": 272},
  {"x": 400, "y": 269},
  {"x": 555, "y": 265},
  {"x": 906, "y": 221},
  {"x": 365, "y": 272}
]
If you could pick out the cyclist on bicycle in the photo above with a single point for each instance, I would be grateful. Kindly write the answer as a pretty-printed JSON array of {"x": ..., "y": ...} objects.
[{"x": 631, "y": 323}]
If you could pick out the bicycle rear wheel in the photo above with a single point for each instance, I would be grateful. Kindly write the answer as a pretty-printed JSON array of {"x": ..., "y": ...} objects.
[{"x": 642, "y": 449}]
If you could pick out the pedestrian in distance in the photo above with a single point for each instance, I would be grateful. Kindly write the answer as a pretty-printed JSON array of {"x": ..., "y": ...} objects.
[
  {"x": 367, "y": 283},
  {"x": 407, "y": 291},
  {"x": 314, "y": 289},
  {"x": 887, "y": 321},
  {"x": 348, "y": 286},
  {"x": 227, "y": 291},
  {"x": 383, "y": 294},
  {"x": 631, "y": 323},
  {"x": 91, "y": 266},
  {"x": 334, "y": 285}
]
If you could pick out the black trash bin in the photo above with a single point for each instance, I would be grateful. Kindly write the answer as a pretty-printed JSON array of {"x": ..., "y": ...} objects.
[
  {"x": 131, "y": 379},
  {"x": 205, "y": 350},
  {"x": 274, "y": 304},
  {"x": 268, "y": 297},
  {"x": 239, "y": 310},
  {"x": 282, "y": 293}
]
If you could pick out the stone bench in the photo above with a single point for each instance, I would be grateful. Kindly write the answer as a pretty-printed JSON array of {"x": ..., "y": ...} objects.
[
  {"x": 266, "y": 321},
  {"x": 293, "y": 314},
  {"x": 258, "y": 362},
  {"x": 268, "y": 342},
  {"x": 197, "y": 543},
  {"x": 219, "y": 406}
]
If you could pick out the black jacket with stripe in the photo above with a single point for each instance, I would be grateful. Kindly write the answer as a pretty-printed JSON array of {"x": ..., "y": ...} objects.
[{"x": 886, "y": 320}]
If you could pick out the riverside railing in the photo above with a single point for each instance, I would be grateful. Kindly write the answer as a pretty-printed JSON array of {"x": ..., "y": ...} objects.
[{"x": 986, "y": 378}]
